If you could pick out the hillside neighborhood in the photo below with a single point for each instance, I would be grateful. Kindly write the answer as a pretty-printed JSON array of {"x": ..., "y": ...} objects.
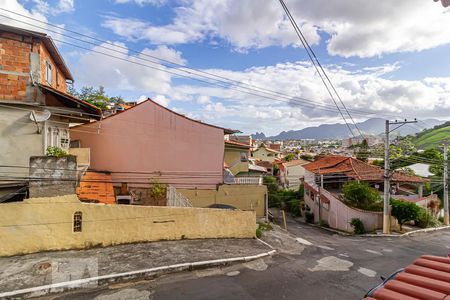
[{"x": 146, "y": 197}]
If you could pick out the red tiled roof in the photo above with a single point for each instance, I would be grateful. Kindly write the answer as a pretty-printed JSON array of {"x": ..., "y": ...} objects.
[
  {"x": 239, "y": 144},
  {"x": 427, "y": 278},
  {"x": 355, "y": 168},
  {"x": 97, "y": 187},
  {"x": 263, "y": 163}
]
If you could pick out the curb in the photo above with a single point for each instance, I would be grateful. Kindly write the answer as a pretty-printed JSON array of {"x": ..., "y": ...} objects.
[
  {"x": 152, "y": 272},
  {"x": 418, "y": 231},
  {"x": 325, "y": 228}
]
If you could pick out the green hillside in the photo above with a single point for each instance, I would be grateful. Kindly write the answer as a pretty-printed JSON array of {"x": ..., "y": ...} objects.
[{"x": 432, "y": 138}]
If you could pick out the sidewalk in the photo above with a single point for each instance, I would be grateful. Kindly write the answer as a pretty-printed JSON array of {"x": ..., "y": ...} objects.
[{"x": 47, "y": 268}]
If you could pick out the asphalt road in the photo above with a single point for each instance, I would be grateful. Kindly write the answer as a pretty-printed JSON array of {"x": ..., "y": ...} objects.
[{"x": 329, "y": 267}]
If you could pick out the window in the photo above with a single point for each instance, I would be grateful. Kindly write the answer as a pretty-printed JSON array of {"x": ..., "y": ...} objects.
[
  {"x": 77, "y": 221},
  {"x": 57, "y": 78},
  {"x": 57, "y": 137},
  {"x": 243, "y": 156},
  {"x": 48, "y": 72}
]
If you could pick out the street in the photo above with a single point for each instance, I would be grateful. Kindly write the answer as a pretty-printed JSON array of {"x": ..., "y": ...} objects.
[{"x": 329, "y": 267}]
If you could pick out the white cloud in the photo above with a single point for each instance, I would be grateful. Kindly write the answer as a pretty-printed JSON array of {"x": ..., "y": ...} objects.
[
  {"x": 161, "y": 99},
  {"x": 62, "y": 6},
  {"x": 244, "y": 24},
  {"x": 202, "y": 99},
  {"x": 363, "y": 28},
  {"x": 141, "y": 2},
  {"x": 16, "y": 7},
  {"x": 127, "y": 72}
]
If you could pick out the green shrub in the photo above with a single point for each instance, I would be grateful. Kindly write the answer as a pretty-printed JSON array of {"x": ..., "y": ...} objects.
[
  {"x": 323, "y": 223},
  {"x": 361, "y": 195},
  {"x": 258, "y": 233},
  {"x": 294, "y": 207},
  {"x": 426, "y": 219},
  {"x": 56, "y": 151},
  {"x": 309, "y": 217},
  {"x": 262, "y": 227},
  {"x": 404, "y": 211},
  {"x": 358, "y": 226}
]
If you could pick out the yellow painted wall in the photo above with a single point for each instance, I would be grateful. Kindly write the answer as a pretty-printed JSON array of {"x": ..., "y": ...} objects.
[
  {"x": 42, "y": 224},
  {"x": 243, "y": 197},
  {"x": 232, "y": 158},
  {"x": 262, "y": 154}
]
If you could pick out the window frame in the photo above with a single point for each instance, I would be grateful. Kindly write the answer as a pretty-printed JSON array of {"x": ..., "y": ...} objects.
[{"x": 49, "y": 75}]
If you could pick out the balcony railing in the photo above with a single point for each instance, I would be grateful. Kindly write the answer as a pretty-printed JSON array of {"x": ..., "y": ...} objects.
[{"x": 248, "y": 180}]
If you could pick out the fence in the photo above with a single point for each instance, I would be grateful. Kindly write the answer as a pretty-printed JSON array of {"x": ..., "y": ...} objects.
[
  {"x": 248, "y": 180},
  {"x": 176, "y": 199}
]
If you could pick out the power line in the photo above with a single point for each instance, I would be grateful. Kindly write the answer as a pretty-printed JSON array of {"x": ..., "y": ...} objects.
[
  {"x": 312, "y": 56},
  {"x": 237, "y": 85}
]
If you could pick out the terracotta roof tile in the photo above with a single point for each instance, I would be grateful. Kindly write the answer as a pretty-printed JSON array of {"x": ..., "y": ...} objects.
[
  {"x": 427, "y": 278},
  {"x": 239, "y": 144},
  {"x": 95, "y": 186},
  {"x": 355, "y": 168}
]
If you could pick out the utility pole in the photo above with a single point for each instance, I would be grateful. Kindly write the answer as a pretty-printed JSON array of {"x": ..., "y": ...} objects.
[
  {"x": 387, "y": 171},
  {"x": 446, "y": 221}
]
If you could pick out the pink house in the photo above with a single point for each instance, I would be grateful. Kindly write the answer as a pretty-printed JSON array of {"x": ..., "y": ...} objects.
[{"x": 149, "y": 142}]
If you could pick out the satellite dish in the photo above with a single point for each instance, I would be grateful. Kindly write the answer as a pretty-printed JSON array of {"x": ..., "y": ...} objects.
[{"x": 40, "y": 116}]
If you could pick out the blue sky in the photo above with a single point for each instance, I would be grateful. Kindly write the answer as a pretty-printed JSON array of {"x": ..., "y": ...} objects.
[{"x": 386, "y": 58}]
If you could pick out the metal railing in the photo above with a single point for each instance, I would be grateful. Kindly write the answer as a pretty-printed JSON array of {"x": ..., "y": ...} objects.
[{"x": 176, "y": 199}]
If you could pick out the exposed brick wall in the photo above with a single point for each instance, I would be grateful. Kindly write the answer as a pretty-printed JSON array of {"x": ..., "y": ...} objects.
[
  {"x": 15, "y": 66},
  {"x": 59, "y": 84},
  {"x": 15, "y": 59}
]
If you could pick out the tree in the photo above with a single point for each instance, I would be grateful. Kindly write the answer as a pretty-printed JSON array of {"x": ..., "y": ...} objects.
[
  {"x": 289, "y": 157},
  {"x": 404, "y": 211},
  {"x": 95, "y": 96},
  {"x": 363, "y": 151},
  {"x": 361, "y": 195}
]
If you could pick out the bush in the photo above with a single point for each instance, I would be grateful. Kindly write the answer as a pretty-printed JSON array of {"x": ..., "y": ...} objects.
[
  {"x": 426, "y": 219},
  {"x": 56, "y": 151},
  {"x": 358, "y": 226},
  {"x": 294, "y": 207},
  {"x": 309, "y": 217},
  {"x": 323, "y": 223},
  {"x": 404, "y": 211},
  {"x": 262, "y": 227},
  {"x": 361, "y": 195}
]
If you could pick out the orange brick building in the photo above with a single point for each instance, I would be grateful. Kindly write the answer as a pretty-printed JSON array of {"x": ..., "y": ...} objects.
[{"x": 35, "y": 109}]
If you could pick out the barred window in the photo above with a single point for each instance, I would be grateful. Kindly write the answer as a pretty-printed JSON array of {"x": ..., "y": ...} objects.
[{"x": 77, "y": 221}]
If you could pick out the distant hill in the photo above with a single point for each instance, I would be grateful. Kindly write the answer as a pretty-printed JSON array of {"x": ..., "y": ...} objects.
[
  {"x": 433, "y": 137},
  {"x": 259, "y": 136},
  {"x": 373, "y": 126}
]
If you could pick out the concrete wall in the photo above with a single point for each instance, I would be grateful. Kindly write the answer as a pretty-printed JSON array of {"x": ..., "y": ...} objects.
[
  {"x": 53, "y": 176},
  {"x": 338, "y": 215},
  {"x": 43, "y": 224},
  {"x": 152, "y": 141},
  {"x": 243, "y": 197},
  {"x": 262, "y": 154},
  {"x": 18, "y": 140},
  {"x": 232, "y": 158}
]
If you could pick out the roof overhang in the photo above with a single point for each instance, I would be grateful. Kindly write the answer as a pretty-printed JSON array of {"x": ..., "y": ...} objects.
[
  {"x": 49, "y": 44},
  {"x": 80, "y": 107}
]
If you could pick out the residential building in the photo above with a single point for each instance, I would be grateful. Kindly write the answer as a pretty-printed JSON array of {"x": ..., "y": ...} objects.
[
  {"x": 325, "y": 178},
  {"x": 264, "y": 153},
  {"x": 291, "y": 173},
  {"x": 35, "y": 109},
  {"x": 236, "y": 157}
]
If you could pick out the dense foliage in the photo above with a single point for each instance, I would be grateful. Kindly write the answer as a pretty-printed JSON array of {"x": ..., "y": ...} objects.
[
  {"x": 361, "y": 195},
  {"x": 358, "y": 226},
  {"x": 426, "y": 219},
  {"x": 404, "y": 211},
  {"x": 95, "y": 96},
  {"x": 56, "y": 151},
  {"x": 283, "y": 197}
]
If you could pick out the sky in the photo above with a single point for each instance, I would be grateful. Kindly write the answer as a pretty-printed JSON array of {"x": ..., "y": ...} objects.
[{"x": 388, "y": 59}]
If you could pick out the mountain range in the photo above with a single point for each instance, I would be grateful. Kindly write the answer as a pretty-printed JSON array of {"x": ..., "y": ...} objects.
[{"x": 373, "y": 126}]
